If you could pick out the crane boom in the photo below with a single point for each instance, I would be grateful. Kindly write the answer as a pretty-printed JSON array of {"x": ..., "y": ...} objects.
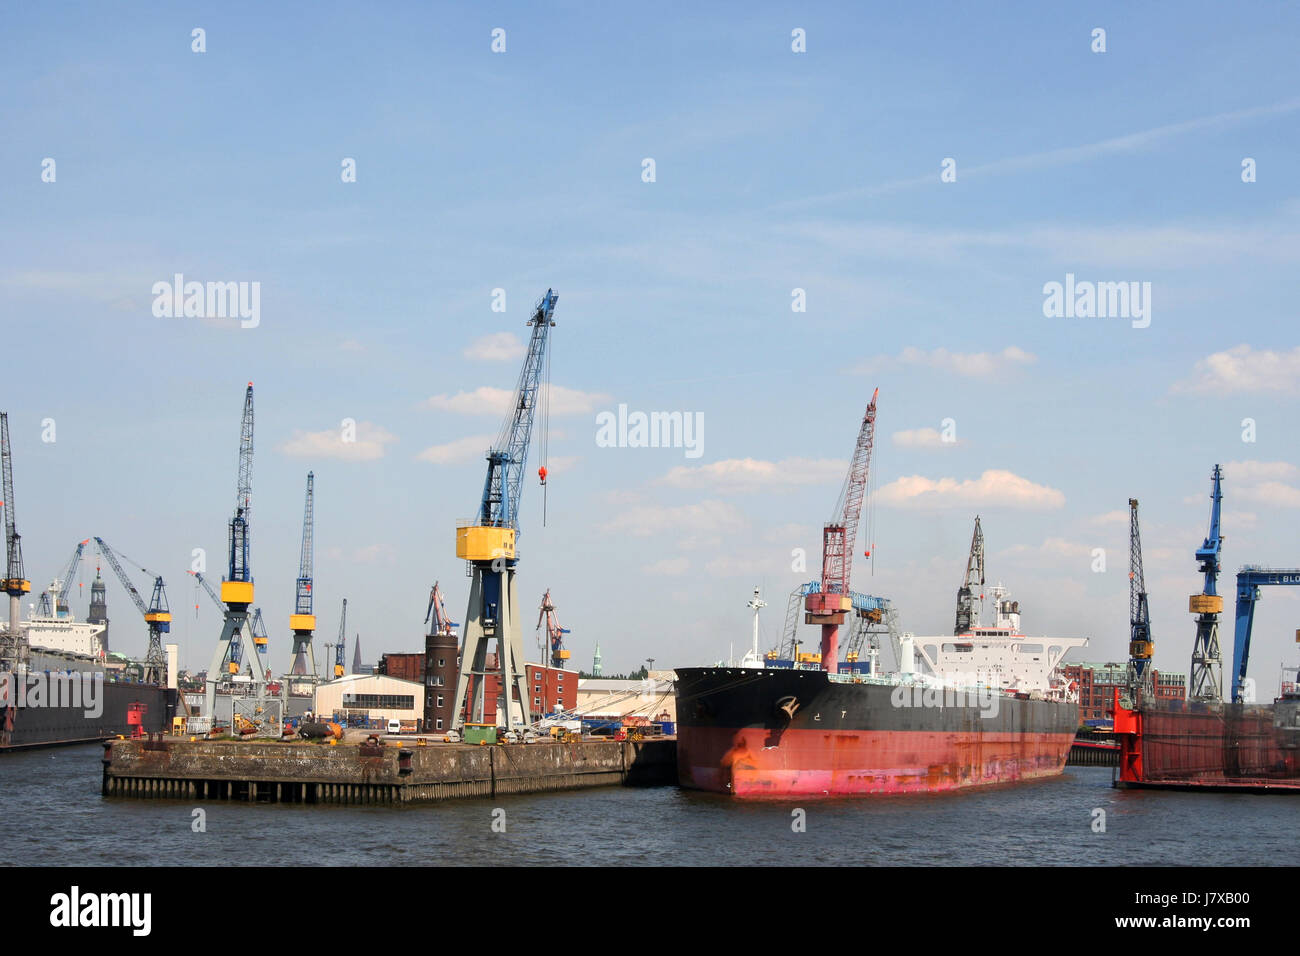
[
  {"x": 157, "y": 613},
  {"x": 15, "y": 583},
  {"x": 436, "y": 615},
  {"x": 1140, "y": 684},
  {"x": 966, "y": 615},
  {"x": 339, "y": 667},
  {"x": 65, "y": 585},
  {"x": 554, "y": 632}
]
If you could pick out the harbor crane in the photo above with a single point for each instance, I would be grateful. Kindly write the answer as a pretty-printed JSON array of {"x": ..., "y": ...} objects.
[
  {"x": 233, "y": 657},
  {"x": 554, "y": 633},
  {"x": 237, "y": 586},
  {"x": 339, "y": 649},
  {"x": 1206, "y": 678},
  {"x": 157, "y": 614},
  {"x": 61, "y": 607},
  {"x": 440, "y": 623},
  {"x": 488, "y": 544},
  {"x": 1249, "y": 580},
  {"x": 833, "y": 600},
  {"x": 302, "y": 621},
  {"x": 1139, "y": 678},
  {"x": 967, "y": 615},
  {"x": 15, "y": 583}
]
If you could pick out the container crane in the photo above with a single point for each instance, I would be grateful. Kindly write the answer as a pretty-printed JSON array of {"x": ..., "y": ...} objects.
[
  {"x": 302, "y": 621},
  {"x": 61, "y": 607},
  {"x": 235, "y": 654},
  {"x": 157, "y": 614},
  {"x": 1249, "y": 580},
  {"x": 967, "y": 616},
  {"x": 554, "y": 633},
  {"x": 237, "y": 586},
  {"x": 1140, "y": 685},
  {"x": 339, "y": 667},
  {"x": 488, "y": 544},
  {"x": 15, "y": 583},
  {"x": 832, "y": 601},
  {"x": 1206, "y": 678}
]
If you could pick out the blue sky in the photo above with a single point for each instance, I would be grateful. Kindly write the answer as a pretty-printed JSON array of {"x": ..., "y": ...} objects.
[{"x": 775, "y": 171}]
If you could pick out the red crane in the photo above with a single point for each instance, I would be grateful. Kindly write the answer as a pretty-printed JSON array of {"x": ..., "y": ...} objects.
[
  {"x": 554, "y": 633},
  {"x": 833, "y": 601}
]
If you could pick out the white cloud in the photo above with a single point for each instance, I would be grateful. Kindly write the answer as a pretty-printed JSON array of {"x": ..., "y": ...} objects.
[
  {"x": 1244, "y": 369},
  {"x": 487, "y": 400},
  {"x": 1248, "y": 471},
  {"x": 920, "y": 438},
  {"x": 993, "y": 488},
  {"x": 1263, "y": 482},
  {"x": 668, "y": 567},
  {"x": 1273, "y": 493},
  {"x": 706, "y": 517},
  {"x": 375, "y": 554},
  {"x": 968, "y": 364},
  {"x": 1116, "y": 517},
  {"x": 370, "y": 443},
  {"x": 460, "y": 450},
  {"x": 497, "y": 347},
  {"x": 751, "y": 474}
]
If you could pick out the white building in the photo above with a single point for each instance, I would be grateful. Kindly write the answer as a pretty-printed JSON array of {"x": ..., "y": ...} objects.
[{"x": 372, "y": 695}]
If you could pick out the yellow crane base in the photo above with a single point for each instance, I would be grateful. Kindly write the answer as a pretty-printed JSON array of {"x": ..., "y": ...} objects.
[
  {"x": 237, "y": 592},
  {"x": 1205, "y": 604},
  {"x": 485, "y": 543},
  {"x": 302, "y": 622}
]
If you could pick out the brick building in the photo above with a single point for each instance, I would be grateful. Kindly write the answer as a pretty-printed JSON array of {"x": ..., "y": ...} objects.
[{"x": 1097, "y": 683}]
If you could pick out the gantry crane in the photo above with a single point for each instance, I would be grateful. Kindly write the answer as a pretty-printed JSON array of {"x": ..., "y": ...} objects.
[
  {"x": 1249, "y": 580},
  {"x": 828, "y": 605},
  {"x": 339, "y": 667},
  {"x": 1206, "y": 678},
  {"x": 235, "y": 654},
  {"x": 61, "y": 607},
  {"x": 967, "y": 616},
  {"x": 303, "y": 622},
  {"x": 1139, "y": 679},
  {"x": 488, "y": 544},
  {"x": 237, "y": 586},
  {"x": 13, "y": 650},
  {"x": 556, "y": 652},
  {"x": 157, "y": 614}
]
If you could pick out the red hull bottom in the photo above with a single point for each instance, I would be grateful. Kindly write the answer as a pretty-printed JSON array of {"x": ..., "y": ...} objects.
[{"x": 814, "y": 763}]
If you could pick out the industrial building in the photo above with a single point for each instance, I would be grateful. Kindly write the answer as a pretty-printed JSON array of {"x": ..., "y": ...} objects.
[
  {"x": 1097, "y": 683},
  {"x": 604, "y": 697},
  {"x": 372, "y": 696}
]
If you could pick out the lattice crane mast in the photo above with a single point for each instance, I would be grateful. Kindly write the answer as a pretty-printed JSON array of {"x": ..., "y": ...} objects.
[
  {"x": 237, "y": 586},
  {"x": 554, "y": 633},
  {"x": 967, "y": 615},
  {"x": 61, "y": 606},
  {"x": 303, "y": 622},
  {"x": 1206, "y": 678},
  {"x": 15, "y": 583},
  {"x": 832, "y": 601},
  {"x": 157, "y": 614},
  {"x": 488, "y": 543},
  {"x": 1140, "y": 686}
]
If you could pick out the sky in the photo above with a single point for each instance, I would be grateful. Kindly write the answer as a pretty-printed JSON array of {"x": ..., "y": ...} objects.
[{"x": 839, "y": 198}]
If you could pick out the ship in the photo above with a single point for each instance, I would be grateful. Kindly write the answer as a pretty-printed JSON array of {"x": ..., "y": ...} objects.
[
  {"x": 984, "y": 706},
  {"x": 58, "y": 685}
]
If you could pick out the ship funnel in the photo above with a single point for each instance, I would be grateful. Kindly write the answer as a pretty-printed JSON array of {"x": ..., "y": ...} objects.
[{"x": 906, "y": 654}]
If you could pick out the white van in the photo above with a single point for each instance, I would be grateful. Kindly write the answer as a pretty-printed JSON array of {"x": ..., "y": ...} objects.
[{"x": 394, "y": 726}]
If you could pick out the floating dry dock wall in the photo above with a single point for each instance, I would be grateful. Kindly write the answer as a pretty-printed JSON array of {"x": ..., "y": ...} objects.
[{"x": 300, "y": 772}]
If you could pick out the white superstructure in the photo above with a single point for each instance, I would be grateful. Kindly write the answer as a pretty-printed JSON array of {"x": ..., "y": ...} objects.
[{"x": 63, "y": 632}]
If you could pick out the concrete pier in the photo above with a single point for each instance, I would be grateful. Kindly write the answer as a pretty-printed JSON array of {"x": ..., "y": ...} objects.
[{"x": 300, "y": 772}]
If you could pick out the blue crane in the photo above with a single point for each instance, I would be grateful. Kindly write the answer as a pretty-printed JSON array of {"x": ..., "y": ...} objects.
[
  {"x": 340, "y": 668},
  {"x": 1249, "y": 581},
  {"x": 488, "y": 543},
  {"x": 157, "y": 614},
  {"x": 1206, "y": 678},
  {"x": 302, "y": 621},
  {"x": 237, "y": 588}
]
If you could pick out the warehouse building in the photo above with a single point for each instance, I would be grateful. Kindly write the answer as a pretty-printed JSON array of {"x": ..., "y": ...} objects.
[{"x": 373, "y": 696}]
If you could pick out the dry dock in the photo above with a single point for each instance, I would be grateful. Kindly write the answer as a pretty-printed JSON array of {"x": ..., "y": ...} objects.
[{"x": 301, "y": 772}]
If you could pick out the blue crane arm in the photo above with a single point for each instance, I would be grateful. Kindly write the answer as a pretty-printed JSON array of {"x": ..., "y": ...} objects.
[
  {"x": 121, "y": 575},
  {"x": 1249, "y": 581},
  {"x": 1208, "y": 553},
  {"x": 508, "y": 456}
]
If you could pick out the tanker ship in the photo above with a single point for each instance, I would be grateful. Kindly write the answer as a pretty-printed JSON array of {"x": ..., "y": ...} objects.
[
  {"x": 988, "y": 708},
  {"x": 58, "y": 686}
]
